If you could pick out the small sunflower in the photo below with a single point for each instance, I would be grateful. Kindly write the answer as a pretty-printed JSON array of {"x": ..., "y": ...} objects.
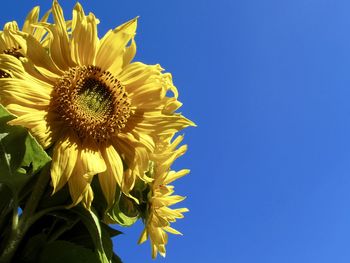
[
  {"x": 159, "y": 215},
  {"x": 82, "y": 96},
  {"x": 8, "y": 44}
]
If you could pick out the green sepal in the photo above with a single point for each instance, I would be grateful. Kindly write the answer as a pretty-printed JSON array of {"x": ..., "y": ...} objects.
[{"x": 123, "y": 211}]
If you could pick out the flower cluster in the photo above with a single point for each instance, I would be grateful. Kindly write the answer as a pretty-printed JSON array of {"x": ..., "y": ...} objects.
[{"x": 98, "y": 114}]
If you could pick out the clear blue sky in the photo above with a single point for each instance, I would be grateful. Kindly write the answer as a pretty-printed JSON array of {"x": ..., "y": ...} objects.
[{"x": 268, "y": 83}]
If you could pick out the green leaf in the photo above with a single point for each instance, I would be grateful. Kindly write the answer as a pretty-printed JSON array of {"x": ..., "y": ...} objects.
[
  {"x": 20, "y": 153},
  {"x": 35, "y": 156},
  {"x": 79, "y": 235},
  {"x": 112, "y": 232},
  {"x": 64, "y": 251},
  {"x": 107, "y": 242},
  {"x": 107, "y": 234},
  {"x": 99, "y": 203},
  {"x": 60, "y": 198},
  {"x": 92, "y": 223},
  {"x": 116, "y": 259},
  {"x": 33, "y": 248}
]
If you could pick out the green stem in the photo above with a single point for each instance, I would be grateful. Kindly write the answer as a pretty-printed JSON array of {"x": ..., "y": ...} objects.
[
  {"x": 20, "y": 227},
  {"x": 41, "y": 213},
  {"x": 14, "y": 219}
]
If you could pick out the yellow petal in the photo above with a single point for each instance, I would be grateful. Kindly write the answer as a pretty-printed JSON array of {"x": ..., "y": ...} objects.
[
  {"x": 110, "y": 54},
  {"x": 63, "y": 161},
  {"x": 165, "y": 163},
  {"x": 161, "y": 250},
  {"x": 129, "y": 54},
  {"x": 92, "y": 160},
  {"x": 129, "y": 182},
  {"x": 172, "y": 176},
  {"x": 59, "y": 45},
  {"x": 171, "y": 214},
  {"x": 3, "y": 45},
  {"x": 40, "y": 32},
  {"x": 39, "y": 74},
  {"x": 84, "y": 37},
  {"x": 172, "y": 230},
  {"x": 113, "y": 175},
  {"x": 25, "y": 89},
  {"x": 12, "y": 66},
  {"x": 20, "y": 99},
  {"x": 171, "y": 105},
  {"x": 32, "y": 18},
  {"x": 87, "y": 198},
  {"x": 78, "y": 184},
  {"x": 136, "y": 155},
  {"x": 114, "y": 163},
  {"x": 159, "y": 236},
  {"x": 108, "y": 186},
  {"x": 143, "y": 236},
  {"x": 168, "y": 200},
  {"x": 37, "y": 53},
  {"x": 7, "y": 36},
  {"x": 135, "y": 140},
  {"x": 154, "y": 251},
  {"x": 154, "y": 122},
  {"x": 89, "y": 162},
  {"x": 37, "y": 122},
  {"x": 24, "y": 70},
  {"x": 136, "y": 74},
  {"x": 176, "y": 142}
]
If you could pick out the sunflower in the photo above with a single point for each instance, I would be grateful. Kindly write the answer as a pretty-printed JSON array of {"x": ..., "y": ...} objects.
[
  {"x": 83, "y": 97},
  {"x": 159, "y": 215},
  {"x": 8, "y": 44}
]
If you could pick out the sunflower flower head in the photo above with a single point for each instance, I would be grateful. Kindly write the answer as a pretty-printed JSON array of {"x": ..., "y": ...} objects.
[
  {"x": 158, "y": 214},
  {"x": 8, "y": 44},
  {"x": 83, "y": 96}
]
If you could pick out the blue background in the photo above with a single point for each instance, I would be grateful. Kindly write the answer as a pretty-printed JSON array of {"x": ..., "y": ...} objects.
[{"x": 268, "y": 84}]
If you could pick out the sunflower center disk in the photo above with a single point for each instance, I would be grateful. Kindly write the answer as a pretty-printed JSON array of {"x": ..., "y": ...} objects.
[
  {"x": 94, "y": 99},
  {"x": 92, "y": 102}
]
